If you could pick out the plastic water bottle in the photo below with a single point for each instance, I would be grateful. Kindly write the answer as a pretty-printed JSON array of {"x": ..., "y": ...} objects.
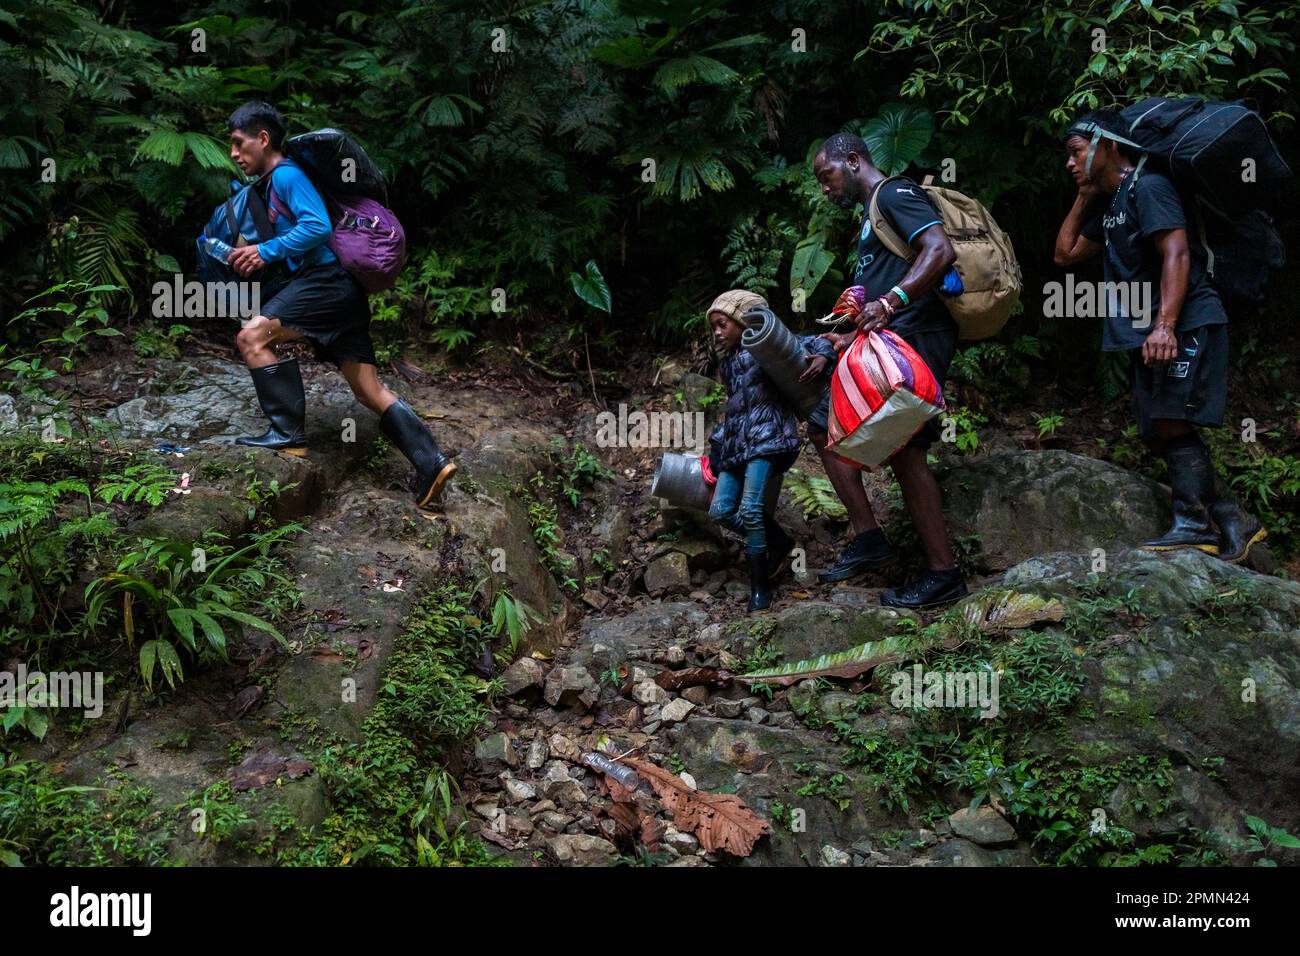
[
  {"x": 215, "y": 248},
  {"x": 620, "y": 772}
]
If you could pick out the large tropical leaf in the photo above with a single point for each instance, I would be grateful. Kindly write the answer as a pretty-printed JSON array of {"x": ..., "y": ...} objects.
[
  {"x": 1004, "y": 610},
  {"x": 850, "y": 663},
  {"x": 592, "y": 288},
  {"x": 897, "y": 136},
  {"x": 811, "y": 261}
]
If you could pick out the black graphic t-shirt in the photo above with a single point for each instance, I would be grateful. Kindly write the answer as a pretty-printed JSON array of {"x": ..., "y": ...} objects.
[
  {"x": 909, "y": 210},
  {"x": 1134, "y": 215}
]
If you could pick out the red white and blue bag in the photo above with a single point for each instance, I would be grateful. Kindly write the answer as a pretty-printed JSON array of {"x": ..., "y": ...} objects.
[{"x": 882, "y": 393}]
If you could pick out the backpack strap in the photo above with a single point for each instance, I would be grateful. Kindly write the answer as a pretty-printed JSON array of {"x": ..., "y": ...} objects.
[
  {"x": 889, "y": 236},
  {"x": 257, "y": 209},
  {"x": 231, "y": 222}
]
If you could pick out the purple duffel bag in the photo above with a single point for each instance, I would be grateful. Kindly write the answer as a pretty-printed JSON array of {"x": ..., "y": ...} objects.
[{"x": 368, "y": 241}]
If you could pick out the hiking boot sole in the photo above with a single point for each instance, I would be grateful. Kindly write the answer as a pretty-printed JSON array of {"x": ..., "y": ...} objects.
[
  {"x": 860, "y": 567},
  {"x": 1207, "y": 548},
  {"x": 1257, "y": 537},
  {"x": 435, "y": 489},
  {"x": 942, "y": 602}
]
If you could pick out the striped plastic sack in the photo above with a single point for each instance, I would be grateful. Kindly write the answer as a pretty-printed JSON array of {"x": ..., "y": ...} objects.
[{"x": 882, "y": 393}]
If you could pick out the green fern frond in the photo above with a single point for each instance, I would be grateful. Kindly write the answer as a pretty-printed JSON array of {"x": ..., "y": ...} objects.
[
  {"x": 164, "y": 145},
  {"x": 815, "y": 496},
  {"x": 695, "y": 68}
]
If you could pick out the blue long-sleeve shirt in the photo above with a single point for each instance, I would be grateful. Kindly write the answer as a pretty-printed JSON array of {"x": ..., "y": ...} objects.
[{"x": 300, "y": 237}]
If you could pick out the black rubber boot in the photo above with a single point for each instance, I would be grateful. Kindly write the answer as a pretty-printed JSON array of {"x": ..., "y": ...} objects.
[
  {"x": 760, "y": 586},
  {"x": 405, "y": 429},
  {"x": 931, "y": 589},
  {"x": 279, "y": 392},
  {"x": 1191, "y": 479},
  {"x": 1239, "y": 530},
  {"x": 779, "y": 546},
  {"x": 867, "y": 550}
]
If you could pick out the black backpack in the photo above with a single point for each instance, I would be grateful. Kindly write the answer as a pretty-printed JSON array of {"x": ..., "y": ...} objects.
[
  {"x": 1202, "y": 147},
  {"x": 337, "y": 165}
]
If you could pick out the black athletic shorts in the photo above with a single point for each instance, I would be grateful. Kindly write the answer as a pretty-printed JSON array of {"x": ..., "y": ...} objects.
[
  {"x": 937, "y": 350},
  {"x": 1192, "y": 388},
  {"x": 330, "y": 308}
]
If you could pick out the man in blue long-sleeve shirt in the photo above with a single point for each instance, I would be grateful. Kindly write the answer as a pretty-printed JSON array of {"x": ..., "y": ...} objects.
[{"x": 322, "y": 303}]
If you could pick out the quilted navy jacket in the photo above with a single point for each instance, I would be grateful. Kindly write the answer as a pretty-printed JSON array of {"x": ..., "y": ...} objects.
[{"x": 758, "y": 422}]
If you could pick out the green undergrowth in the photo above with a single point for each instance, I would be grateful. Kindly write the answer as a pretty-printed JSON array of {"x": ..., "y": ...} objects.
[
  {"x": 393, "y": 801},
  {"x": 1064, "y": 802}
]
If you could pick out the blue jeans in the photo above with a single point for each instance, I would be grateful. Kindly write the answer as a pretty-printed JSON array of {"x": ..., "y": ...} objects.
[{"x": 738, "y": 502}]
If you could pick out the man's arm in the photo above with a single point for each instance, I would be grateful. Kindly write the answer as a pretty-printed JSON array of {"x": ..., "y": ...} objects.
[
  {"x": 311, "y": 220},
  {"x": 934, "y": 255},
  {"x": 1162, "y": 344},
  {"x": 311, "y": 225},
  {"x": 1072, "y": 246}
]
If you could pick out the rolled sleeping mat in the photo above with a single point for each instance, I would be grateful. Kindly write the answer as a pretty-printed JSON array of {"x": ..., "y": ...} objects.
[
  {"x": 778, "y": 353},
  {"x": 680, "y": 480}
]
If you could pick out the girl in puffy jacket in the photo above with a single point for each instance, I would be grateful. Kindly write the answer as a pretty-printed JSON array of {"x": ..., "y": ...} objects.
[{"x": 756, "y": 443}]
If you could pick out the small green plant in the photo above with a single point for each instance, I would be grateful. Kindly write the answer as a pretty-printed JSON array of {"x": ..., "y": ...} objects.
[
  {"x": 513, "y": 617},
  {"x": 152, "y": 341},
  {"x": 716, "y": 396},
  {"x": 169, "y": 595},
  {"x": 1265, "y": 839},
  {"x": 222, "y": 816},
  {"x": 815, "y": 496},
  {"x": 147, "y": 483},
  {"x": 961, "y": 426},
  {"x": 577, "y": 469},
  {"x": 1048, "y": 424}
]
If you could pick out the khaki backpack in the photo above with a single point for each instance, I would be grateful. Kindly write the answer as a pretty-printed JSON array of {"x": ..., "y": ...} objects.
[{"x": 986, "y": 261}]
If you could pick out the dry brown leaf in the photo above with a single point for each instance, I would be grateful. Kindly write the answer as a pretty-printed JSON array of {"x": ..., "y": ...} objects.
[
  {"x": 693, "y": 677},
  {"x": 720, "y": 821}
]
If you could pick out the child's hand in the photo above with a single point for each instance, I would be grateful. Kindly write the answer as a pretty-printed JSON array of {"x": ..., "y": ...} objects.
[
  {"x": 816, "y": 365},
  {"x": 839, "y": 340}
]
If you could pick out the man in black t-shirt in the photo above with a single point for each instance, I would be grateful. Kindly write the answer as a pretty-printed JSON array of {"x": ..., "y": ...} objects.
[
  {"x": 847, "y": 177},
  {"x": 1177, "y": 337}
]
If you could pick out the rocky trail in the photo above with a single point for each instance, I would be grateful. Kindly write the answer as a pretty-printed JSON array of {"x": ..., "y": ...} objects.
[{"x": 1157, "y": 709}]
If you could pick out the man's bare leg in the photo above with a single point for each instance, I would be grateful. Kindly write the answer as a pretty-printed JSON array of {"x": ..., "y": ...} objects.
[
  {"x": 847, "y": 482},
  {"x": 257, "y": 340},
  {"x": 370, "y": 392},
  {"x": 924, "y": 504}
]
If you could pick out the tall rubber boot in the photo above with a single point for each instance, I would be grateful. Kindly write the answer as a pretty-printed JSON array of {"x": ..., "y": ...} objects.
[
  {"x": 760, "y": 586},
  {"x": 1239, "y": 530},
  {"x": 779, "y": 545},
  {"x": 280, "y": 393},
  {"x": 405, "y": 429},
  {"x": 1191, "y": 479}
]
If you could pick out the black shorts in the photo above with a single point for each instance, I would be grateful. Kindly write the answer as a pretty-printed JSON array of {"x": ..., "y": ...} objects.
[
  {"x": 1192, "y": 388},
  {"x": 330, "y": 308},
  {"x": 936, "y": 350}
]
